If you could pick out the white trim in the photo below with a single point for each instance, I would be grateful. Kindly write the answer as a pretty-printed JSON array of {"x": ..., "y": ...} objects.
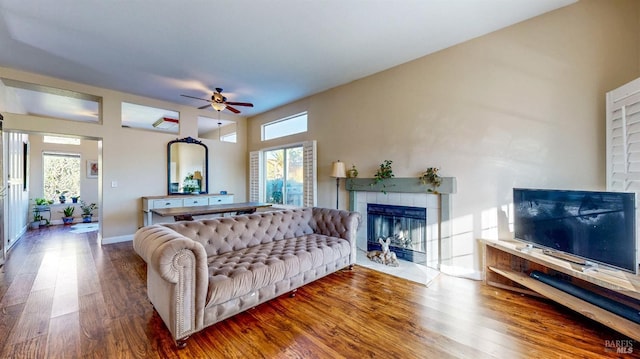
[{"x": 117, "y": 239}]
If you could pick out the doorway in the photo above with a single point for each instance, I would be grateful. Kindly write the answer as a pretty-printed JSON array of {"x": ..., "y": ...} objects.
[{"x": 29, "y": 183}]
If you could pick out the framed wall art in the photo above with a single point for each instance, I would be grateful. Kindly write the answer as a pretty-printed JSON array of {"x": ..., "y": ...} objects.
[{"x": 92, "y": 169}]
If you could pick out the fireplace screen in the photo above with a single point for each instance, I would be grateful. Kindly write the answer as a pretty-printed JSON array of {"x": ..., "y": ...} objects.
[{"x": 405, "y": 226}]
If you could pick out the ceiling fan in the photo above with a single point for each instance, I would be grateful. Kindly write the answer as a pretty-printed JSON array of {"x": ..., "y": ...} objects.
[{"x": 219, "y": 102}]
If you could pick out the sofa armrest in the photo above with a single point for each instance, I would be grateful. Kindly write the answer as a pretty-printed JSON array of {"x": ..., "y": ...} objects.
[
  {"x": 337, "y": 223},
  {"x": 182, "y": 263},
  {"x": 159, "y": 247}
]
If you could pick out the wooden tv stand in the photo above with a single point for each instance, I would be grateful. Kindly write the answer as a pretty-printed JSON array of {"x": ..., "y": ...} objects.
[{"x": 507, "y": 264}]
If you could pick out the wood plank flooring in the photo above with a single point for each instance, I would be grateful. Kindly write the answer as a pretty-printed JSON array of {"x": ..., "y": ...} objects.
[{"x": 64, "y": 296}]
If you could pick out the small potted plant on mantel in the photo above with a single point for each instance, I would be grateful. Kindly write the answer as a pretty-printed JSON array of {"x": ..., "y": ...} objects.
[
  {"x": 383, "y": 173},
  {"x": 87, "y": 211},
  {"x": 431, "y": 178},
  {"x": 68, "y": 214}
]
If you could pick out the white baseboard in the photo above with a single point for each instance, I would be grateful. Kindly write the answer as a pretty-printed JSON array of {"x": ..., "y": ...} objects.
[{"x": 117, "y": 239}]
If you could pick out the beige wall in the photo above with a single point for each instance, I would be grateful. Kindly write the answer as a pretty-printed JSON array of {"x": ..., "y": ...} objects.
[
  {"x": 520, "y": 107},
  {"x": 134, "y": 158}
]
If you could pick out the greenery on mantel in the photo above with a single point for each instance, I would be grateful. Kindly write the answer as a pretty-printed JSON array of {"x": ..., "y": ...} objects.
[
  {"x": 431, "y": 177},
  {"x": 383, "y": 173},
  {"x": 400, "y": 185}
]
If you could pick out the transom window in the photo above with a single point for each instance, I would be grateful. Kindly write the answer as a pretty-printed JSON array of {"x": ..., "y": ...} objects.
[
  {"x": 229, "y": 137},
  {"x": 285, "y": 126},
  {"x": 61, "y": 140}
]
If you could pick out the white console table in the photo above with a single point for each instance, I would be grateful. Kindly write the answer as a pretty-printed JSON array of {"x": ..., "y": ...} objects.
[
  {"x": 157, "y": 202},
  {"x": 507, "y": 264}
]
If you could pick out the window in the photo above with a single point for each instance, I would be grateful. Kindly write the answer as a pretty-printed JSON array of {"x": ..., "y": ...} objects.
[
  {"x": 61, "y": 140},
  {"x": 285, "y": 127},
  {"x": 284, "y": 175},
  {"x": 61, "y": 173},
  {"x": 229, "y": 137}
]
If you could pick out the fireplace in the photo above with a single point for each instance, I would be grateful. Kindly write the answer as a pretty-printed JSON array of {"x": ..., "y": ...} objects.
[
  {"x": 404, "y": 225},
  {"x": 408, "y": 192}
]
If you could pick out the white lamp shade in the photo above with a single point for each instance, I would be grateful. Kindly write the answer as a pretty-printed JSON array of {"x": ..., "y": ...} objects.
[
  {"x": 338, "y": 170},
  {"x": 218, "y": 106}
]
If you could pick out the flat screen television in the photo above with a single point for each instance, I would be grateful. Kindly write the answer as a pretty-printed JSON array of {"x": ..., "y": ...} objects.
[{"x": 597, "y": 226}]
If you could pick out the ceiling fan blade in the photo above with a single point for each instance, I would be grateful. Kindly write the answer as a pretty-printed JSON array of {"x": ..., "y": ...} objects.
[
  {"x": 197, "y": 98},
  {"x": 232, "y": 109},
  {"x": 239, "y": 103},
  {"x": 203, "y": 107}
]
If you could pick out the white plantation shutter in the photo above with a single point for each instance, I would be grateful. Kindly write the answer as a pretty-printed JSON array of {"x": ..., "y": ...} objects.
[
  {"x": 310, "y": 174},
  {"x": 623, "y": 142},
  {"x": 623, "y": 138},
  {"x": 255, "y": 178}
]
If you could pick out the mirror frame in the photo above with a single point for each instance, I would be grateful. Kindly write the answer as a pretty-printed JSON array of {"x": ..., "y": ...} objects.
[{"x": 188, "y": 140}]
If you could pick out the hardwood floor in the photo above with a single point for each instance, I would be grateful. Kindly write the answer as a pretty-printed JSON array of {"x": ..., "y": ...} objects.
[{"x": 64, "y": 296}]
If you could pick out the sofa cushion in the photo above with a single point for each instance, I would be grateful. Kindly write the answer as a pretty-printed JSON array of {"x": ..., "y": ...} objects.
[{"x": 241, "y": 272}]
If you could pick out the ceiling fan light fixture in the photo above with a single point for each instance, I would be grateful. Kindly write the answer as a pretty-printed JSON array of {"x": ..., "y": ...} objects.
[{"x": 218, "y": 106}]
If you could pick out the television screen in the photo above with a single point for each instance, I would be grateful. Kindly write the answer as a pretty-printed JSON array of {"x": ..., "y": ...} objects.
[{"x": 597, "y": 226}]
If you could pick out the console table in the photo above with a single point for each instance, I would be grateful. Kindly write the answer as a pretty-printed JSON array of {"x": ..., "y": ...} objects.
[
  {"x": 507, "y": 264},
  {"x": 150, "y": 203},
  {"x": 187, "y": 213}
]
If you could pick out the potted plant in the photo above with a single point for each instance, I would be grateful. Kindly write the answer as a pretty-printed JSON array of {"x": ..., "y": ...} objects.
[
  {"x": 68, "y": 214},
  {"x": 383, "y": 173},
  {"x": 431, "y": 177},
  {"x": 74, "y": 199},
  {"x": 42, "y": 204},
  {"x": 87, "y": 211},
  {"x": 353, "y": 172},
  {"x": 190, "y": 184},
  {"x": 36, "y": 220},
  {"x": 62, "y": 196}
]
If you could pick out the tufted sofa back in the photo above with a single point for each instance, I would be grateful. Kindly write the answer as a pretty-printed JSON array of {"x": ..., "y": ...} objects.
[{"x": 225, "y": 234}]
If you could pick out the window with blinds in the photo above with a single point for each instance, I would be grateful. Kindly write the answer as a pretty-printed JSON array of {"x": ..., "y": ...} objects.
[{"x": 623, "y": 138}]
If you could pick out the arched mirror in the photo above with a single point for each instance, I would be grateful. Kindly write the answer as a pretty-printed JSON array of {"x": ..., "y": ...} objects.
[{"x": 187, "y": 166}]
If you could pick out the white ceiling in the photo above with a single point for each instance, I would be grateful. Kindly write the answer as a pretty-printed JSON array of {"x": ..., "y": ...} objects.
[{"x": 266, "y": 52}]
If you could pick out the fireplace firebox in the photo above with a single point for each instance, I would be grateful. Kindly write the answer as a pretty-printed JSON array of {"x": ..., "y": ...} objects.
[{"x": 405, "y": 226}]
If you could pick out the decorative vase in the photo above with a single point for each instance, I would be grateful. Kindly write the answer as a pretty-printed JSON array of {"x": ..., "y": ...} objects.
[
  {"x": 67, "y": 220},
  {"x": 86, "y": 218}
]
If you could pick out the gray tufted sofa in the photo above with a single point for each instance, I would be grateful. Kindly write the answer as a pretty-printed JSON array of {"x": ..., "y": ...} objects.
[{"x": 204, "y": 271}]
